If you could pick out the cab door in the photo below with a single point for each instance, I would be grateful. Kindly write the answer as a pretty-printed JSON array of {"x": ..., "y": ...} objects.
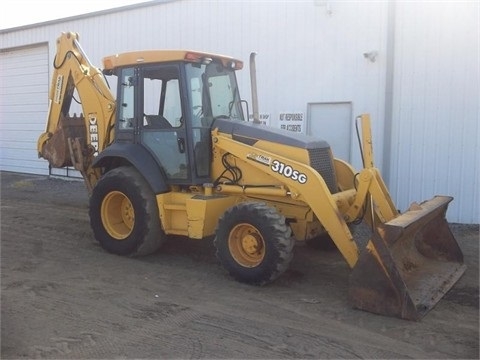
[{"x": 162, "y": 127}]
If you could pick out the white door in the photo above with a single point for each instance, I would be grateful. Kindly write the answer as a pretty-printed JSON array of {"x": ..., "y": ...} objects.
[
  {"x": 23, "y": 108},
  {"x": 332, "y": 122}
]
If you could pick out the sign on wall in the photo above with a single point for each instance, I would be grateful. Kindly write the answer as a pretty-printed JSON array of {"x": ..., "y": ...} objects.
[
  {"x": 292, "y": 121},
  {"x": 263, "y": 117}
]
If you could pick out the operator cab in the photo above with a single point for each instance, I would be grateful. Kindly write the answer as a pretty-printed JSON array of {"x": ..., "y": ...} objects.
[{"x": 167, "y": 103}]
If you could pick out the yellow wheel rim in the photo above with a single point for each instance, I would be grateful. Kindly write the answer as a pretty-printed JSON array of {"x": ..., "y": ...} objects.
[
  {"x": 118, "y": 216},
  {"x": 246, "y": 245}
]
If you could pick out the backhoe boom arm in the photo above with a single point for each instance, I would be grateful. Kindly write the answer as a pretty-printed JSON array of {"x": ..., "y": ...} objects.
[{"x": 75, "y": 141}]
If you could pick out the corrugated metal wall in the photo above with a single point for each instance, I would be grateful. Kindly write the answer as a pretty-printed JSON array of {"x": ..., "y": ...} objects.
[
  {"x": 308, "y": 51},
  {"x": 435, "y": 123},
  {"x": 313, "y": 52}
]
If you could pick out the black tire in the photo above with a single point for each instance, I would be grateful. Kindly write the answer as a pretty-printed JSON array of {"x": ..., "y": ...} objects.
[
  {"x": 124, "y": 214},
  {"x": 253, "y": 243}
]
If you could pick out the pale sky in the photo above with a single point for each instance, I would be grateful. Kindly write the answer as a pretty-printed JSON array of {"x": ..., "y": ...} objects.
[{"x": 24, "y": 12}]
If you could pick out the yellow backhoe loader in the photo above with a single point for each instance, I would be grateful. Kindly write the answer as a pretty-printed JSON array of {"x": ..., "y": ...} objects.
[{"x": 173, "y": 154}]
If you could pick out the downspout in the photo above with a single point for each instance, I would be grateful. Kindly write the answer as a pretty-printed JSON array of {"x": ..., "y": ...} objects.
[{"x": 389, "y": 79}]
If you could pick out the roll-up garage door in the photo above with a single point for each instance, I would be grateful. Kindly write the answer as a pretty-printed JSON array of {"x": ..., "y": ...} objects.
[
  {"x": 23, "y": 108},
  {"x": 24, "y": 83}
]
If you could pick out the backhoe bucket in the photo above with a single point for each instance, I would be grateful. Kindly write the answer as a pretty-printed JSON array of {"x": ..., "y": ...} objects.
[
  {"x": 56, "y": 150},
  {"x": 409, "y": 264}
]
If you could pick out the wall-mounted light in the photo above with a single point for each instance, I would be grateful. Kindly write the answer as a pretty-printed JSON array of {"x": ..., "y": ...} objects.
[
  {"x": 326, "y": 3},
  {"x": 371, "y": 55}
]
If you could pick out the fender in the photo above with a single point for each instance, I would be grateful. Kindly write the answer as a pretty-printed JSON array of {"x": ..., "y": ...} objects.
[{"x": 140, "y": 158}]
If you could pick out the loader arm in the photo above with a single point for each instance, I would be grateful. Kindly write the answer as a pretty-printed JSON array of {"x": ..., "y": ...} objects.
[
  {"x": 371, "y": 188},
  {"x": 309, "y": 187},
  {"x": 370, "y": 200},
  {"x": 334, "y": 211},
  {"x": 75, "y": 141},
  {"x": 411, "y": 259}
]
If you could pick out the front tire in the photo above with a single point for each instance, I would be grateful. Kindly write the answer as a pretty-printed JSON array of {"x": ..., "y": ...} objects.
[
  {"x": 124, "y": 214},
  {"x": 254, "y": 243}
]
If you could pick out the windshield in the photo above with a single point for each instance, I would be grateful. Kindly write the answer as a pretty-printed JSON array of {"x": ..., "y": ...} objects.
[{"x": 213, "y": 92}]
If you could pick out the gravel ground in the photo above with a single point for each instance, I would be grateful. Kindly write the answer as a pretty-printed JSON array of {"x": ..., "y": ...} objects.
[{"x": 62, "y": 296}]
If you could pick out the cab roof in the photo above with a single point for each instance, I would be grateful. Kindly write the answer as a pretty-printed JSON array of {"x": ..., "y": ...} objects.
[{"x": 159, "y": 56}]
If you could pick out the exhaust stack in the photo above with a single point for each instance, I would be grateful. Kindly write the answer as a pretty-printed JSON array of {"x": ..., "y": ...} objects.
[{"x": 253, "y": 81}]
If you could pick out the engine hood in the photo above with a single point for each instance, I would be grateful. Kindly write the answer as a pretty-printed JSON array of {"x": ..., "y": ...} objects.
[{"x": 250, "y": 133}]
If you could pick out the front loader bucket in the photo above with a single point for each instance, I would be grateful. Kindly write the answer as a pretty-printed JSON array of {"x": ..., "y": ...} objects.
[{"x": 409, "y": 264}]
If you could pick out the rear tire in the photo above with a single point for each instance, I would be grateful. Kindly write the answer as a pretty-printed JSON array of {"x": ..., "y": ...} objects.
[
  {"x": 254, "y": 243},
  {"x": 124, "y": 214}
]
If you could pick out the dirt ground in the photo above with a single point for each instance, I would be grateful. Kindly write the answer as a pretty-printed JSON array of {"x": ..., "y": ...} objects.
[{"x": 62, "y": 296}]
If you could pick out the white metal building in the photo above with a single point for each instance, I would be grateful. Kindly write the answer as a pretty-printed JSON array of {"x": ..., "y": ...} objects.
[{"x": 414, "y": 66}]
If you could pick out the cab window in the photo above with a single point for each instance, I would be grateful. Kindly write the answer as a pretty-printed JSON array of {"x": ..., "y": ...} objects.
[
  {"x": 126, "y": 108},
  {"x": 162, "y": 106}
]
